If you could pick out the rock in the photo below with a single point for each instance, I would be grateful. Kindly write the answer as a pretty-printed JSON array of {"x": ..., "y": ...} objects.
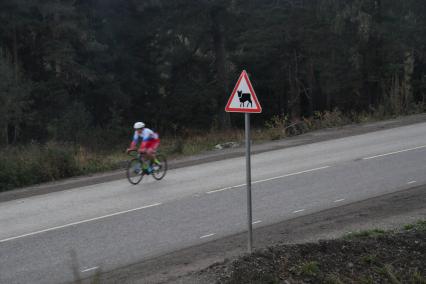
[
  {"x": 218, "y": 147},
  {"x": 226, "y": 145}
]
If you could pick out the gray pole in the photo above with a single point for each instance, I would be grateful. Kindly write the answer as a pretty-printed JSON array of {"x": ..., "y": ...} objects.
[{"x": 248, "y": 182}]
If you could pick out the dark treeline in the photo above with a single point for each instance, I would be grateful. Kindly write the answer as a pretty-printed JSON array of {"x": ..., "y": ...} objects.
[{"x": 76, "y": 69}]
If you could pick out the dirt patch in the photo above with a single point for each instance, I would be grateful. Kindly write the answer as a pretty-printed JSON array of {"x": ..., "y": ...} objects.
[{"x": 368, "y": 257}]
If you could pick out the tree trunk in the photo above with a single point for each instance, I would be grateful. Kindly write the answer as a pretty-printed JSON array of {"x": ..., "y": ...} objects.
[
  {"x": 310, "y": 90},
  {"x": 294, "y": 104},
  {"x": 15, "y": 53},
  {"x": 220, "y": 63},
  {"x": 4, "y": 139},
  {"x": 15, "y": 133},
  {"x": 407, "y": 83},
  {"x": 395, "y": 95}
]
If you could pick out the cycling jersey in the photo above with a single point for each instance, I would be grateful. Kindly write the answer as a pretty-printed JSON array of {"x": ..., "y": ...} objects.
[
  {"x": 146, "y": 135},
  {"x": 150, "y": 140}
]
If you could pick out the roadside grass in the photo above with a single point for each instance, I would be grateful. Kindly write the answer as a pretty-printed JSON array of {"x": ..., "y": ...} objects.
[
  {"x": 419, "y": 226},
  {"x": 368, "y": 279},
  {"x": 333, "y": 279},
  {"x": 34, "y": 163},
  {"x": 409, "y": 227},
  {"x": 308, "y": 269},
  {"x": 374, "y": 233},
  {"x": 37, "y": 163},
  {"x": 388, "y": 272},
  {"x": 417, "y": 278},
  {"x": 197, "y": 142},
  {"x": 369, "y": 259}
]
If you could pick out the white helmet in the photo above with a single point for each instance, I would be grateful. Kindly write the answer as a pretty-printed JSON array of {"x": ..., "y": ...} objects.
[{"x": 139, "y": 125}]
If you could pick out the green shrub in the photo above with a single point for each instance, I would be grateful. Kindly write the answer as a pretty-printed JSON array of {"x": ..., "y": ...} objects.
[
  {"x": 309, "y": 269},
  {"x": 369, "y": 259},
  {"x": 365, "y": 234},
  {"x": 331, "y": 118},
  {"x": 409, "y": 227},
  {"x": 389, "y": 273},
  {"x": 417, "y": 277},
  {"x": 332, "y": 279},
  {"x": 276, "y": 127},
  {"x": 32, "y": 164}
]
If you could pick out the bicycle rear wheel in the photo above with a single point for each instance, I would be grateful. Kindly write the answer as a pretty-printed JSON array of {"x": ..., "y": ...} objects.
[
  {"x": 160, "y": 170},
  {"x": 134, "y": 171}
]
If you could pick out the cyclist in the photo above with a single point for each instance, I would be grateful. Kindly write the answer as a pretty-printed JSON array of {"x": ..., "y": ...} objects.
[{"x": 149, "y": 144}]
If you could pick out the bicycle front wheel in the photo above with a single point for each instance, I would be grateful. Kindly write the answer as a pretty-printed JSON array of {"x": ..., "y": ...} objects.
[
  {"x": 134, "y": 171},
  {"x": 160, "y": 169}
]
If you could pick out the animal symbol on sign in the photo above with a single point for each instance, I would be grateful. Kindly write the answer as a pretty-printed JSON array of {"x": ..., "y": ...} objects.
[{"x": 244, "y": 97}]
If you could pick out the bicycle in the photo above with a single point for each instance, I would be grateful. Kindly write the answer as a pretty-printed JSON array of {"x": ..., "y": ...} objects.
[{"x": 136, "y": 168}]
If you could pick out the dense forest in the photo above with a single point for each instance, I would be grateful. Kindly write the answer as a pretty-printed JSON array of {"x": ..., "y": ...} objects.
[{"x": 73, "y": 69}]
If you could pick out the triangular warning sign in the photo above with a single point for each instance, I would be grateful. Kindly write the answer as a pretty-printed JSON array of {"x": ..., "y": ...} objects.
[{"x": 243, "y": 97}]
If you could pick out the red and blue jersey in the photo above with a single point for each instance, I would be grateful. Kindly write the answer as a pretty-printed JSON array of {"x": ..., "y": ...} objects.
[{"x": 145, "y": 136}]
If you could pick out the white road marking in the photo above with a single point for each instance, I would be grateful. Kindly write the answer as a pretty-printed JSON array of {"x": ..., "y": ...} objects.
[
  {"x": 89, "y": 269},
  {"x": 268, "y": 179},
  {"x": 393, "y": 153},
  {"x": 206, "y": 236},
  {"x": 225, "y": 188},
  {"x": 298, "y": 211},
  {"x": 257, "y": 222},
  {"x": 411, "y": 182},
  {"x": 339, "y": 200},
  {"x": 292, "y": 174},
  {"x": 79, "y": 222}
]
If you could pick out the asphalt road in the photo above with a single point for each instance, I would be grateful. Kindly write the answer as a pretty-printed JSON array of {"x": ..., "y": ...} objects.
[{"x": 51, "y": 238}]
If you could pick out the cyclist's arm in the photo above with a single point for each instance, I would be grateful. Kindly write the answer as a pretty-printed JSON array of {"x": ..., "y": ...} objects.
[{"x": 134, "y": 141}]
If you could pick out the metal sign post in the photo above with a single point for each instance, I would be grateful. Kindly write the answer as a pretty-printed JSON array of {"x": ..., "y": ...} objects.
[
  {"x": 248, "y": 183},
  {"x": 244, "y": 100}
]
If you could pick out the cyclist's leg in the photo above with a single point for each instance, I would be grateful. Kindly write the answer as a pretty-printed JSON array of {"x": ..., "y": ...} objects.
[
  {"x": 155, "y": 146},
  {"x": 151, "y": 148},
  {"x": 143, "y": 155},
  {"x": 150, "y": 155}
]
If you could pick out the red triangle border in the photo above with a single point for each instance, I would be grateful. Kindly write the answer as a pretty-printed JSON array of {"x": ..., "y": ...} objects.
[{"x": 256, "y": 110}]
